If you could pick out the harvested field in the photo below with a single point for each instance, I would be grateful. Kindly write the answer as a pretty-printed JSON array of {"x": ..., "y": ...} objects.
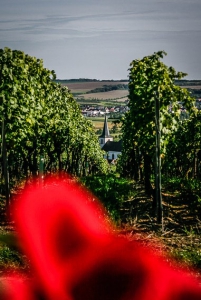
[
  {"x": 81, "y": 88},
  {"x": 122, "y": 99},
  {"x": 76, "y": 87},
  {"x": 193, "y": 87},
  {"x": 98, "y": 123},
  {"x": 117, "y": 94}
]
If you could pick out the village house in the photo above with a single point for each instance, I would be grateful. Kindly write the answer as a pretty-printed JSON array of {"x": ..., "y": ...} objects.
[{"x": 99, "y": 111}]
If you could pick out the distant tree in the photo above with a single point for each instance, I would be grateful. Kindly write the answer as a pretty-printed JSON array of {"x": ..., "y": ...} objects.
[
  {"x": 114, "y": 129},
  {"x": 99, "y": 131},
  {"x": 108, "y": 88}
]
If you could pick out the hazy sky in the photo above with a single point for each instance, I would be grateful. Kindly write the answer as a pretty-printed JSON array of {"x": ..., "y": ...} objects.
[{"x": 99, "y": 38}]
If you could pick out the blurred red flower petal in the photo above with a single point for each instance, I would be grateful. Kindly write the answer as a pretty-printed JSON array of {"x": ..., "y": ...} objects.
[{"x": 76, "y": 256}]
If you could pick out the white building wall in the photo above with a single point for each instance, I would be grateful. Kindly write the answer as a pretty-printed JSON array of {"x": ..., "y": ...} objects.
[{"x": 112, "y": 155}]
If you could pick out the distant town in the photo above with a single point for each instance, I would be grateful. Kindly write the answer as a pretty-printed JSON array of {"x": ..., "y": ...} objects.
[{"x": 100, "y": 97}]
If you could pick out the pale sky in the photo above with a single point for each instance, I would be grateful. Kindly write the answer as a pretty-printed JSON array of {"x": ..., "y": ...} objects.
[{"x": 99, "y": 38}]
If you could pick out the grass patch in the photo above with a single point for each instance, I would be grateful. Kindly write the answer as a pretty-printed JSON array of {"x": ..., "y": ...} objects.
[
  {"x": 112, "y": 191},
  {"x": 98, "y": 102},
  {"x": 10, "y": 259},
  {"x": 98, "y": 122},
  {"x": 189, "y": 256}
]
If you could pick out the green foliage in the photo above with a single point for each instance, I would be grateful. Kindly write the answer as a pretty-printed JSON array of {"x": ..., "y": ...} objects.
[
  {"x": 114, "y": 129},
  {"x": 150, "y": 78},
  {"x": 189, "y": 190},
  {"x": 43, "y": 119},
  {"x": 191, "y": 257},
  {"x": 172, "y": 184},
  {"x": 99, "y": 131},
  {"x": 108, "y": 88},
  {"x": 10, "y": 258},
  {"x": 183, "y": 153},
  {"x": 190, "y": 253},
  {"x": 111, "y": 191},
  {"x": 63, "y": 81}
]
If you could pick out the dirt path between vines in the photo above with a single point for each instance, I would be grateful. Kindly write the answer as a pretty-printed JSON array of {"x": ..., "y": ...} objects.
[{"x": 180, "y": 233}]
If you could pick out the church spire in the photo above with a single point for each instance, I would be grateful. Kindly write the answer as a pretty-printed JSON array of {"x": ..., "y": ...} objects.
[
  {"x": 105, "y": 136},
  {"x": 105, "y": 133}
]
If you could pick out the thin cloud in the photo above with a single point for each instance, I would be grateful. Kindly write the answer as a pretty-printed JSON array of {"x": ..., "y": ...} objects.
[{"x": 106, "y": 32}]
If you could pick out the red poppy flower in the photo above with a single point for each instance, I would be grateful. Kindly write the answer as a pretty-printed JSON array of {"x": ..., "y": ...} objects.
[{"x": 75, "y": 255}]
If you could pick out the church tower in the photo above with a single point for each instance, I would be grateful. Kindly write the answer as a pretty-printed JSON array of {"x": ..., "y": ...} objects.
[{"x": 105, "y": 136}]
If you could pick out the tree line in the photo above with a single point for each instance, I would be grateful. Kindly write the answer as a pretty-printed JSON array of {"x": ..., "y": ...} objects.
[{"x": 108, "y": 88}]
